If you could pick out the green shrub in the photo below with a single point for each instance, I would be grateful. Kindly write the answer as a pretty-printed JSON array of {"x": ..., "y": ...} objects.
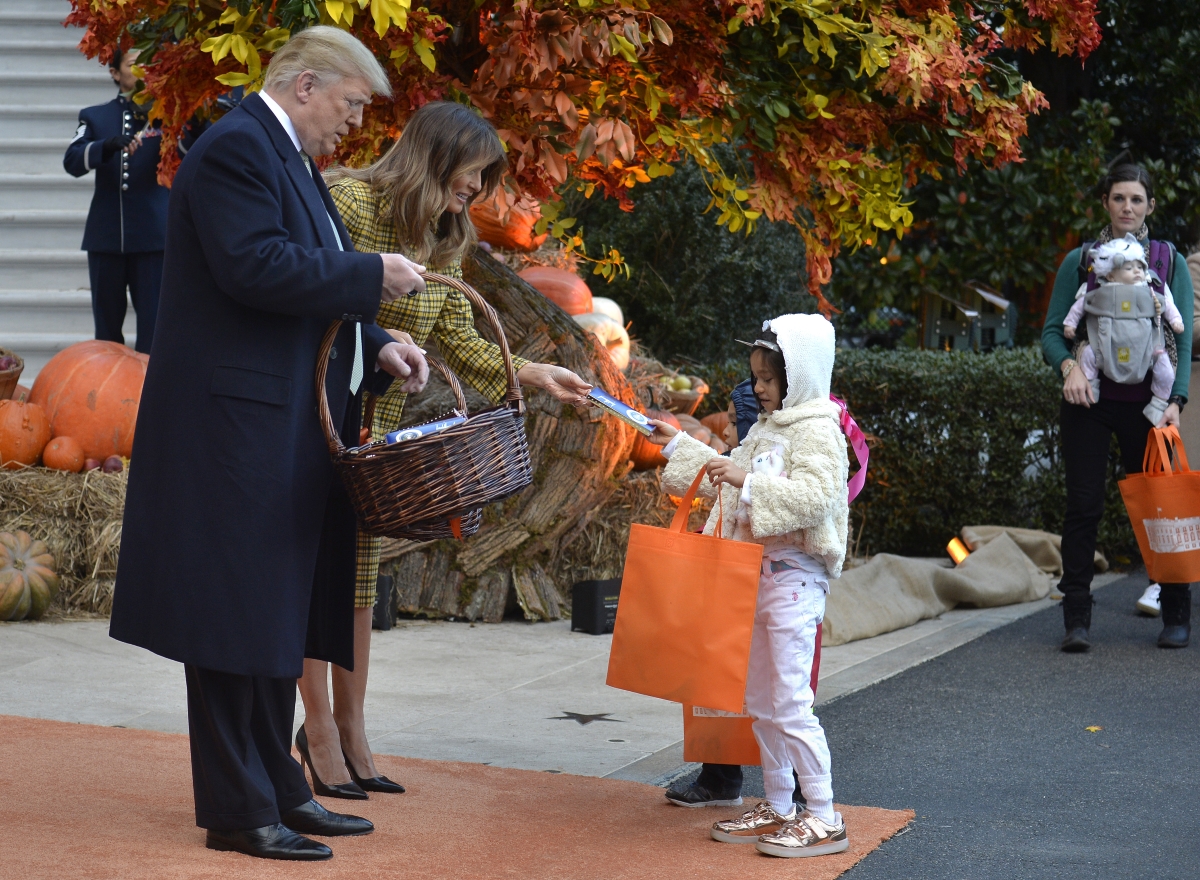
[
  {"x": 961, "y": 439},
  {"x": 956, "y": 439}
]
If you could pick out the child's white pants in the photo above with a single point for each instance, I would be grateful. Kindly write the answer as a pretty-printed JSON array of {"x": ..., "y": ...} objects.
[{"x": 779, "y": 698}]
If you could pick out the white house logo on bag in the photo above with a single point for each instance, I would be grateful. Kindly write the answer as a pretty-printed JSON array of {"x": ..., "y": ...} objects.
[
  {"x": 701, "y": 712},
  {"x": 1173, "y": 535}
]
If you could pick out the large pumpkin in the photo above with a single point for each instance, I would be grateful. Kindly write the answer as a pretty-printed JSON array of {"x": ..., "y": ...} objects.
[
  {"x": 27, "y": 580},
  {"x": 646, "y": 455},
  {"x": 91, "y": 392},
  {"x": 565, "y": 289},
  {"x": 24, "y": 433},
  {"x": 515, "y": 233}
]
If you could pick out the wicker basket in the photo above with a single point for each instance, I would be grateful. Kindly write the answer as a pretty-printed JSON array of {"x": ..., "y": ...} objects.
[
  {"x": 9, "y": 378},
  {"x": 687, "y": 402},
  {"x": 401, "y": 487}
]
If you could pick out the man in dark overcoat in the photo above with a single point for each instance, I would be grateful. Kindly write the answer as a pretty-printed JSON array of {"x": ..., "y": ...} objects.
[
  {"x": 127, "y": 220},
  {"x": 238, "y": 549}
]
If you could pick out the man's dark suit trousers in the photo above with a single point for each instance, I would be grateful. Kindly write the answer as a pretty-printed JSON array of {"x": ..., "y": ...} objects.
[{"x": 243, "y": 772}]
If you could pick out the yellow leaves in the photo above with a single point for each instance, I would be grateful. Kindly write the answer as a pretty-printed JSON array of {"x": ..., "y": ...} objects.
[
  {"x": 623, "y": 47},
  {"x": 424, "y": 49},
  {"x": 341, "y": 12},
  {"x": 241, "y": 48},
  {"x": 243, "y": 45},
  {"x": 385, "y": 13},
  {"x": 1093, "y": 729}
]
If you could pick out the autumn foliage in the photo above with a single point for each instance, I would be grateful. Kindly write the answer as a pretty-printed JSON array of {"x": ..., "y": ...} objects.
[{"x": 834, "y": 105}]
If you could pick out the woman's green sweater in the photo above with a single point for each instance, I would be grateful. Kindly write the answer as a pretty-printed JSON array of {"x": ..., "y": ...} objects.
[{"x": 1056, "y": 348}]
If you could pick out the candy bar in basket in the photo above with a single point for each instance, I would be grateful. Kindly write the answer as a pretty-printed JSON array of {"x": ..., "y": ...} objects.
[
  {"x": 622, "y": 411},
  {"x": 415, "y": 431}
]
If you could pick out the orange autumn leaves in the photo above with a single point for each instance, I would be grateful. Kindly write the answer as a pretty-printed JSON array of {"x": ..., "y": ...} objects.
[{"x": 831, "y": 107}]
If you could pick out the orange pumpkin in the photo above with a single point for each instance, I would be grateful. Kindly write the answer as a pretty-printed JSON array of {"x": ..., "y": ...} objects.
[
  {"x": 716, "y": 422},
  {"x": 24, "y": 433},
  {"x": 27, "y": 579},
  {"x": 565, "y": 289},
  {"x": 20, "y": 393},
  {"x": 64, "y": 454},
  {"x": 91, "y": 392},
  {"x": 646, "y": 455},
  {"x": 515, "y": 233}
]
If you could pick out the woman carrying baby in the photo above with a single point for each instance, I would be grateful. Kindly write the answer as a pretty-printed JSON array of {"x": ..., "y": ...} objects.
[{"x": 1118, "y": 403}]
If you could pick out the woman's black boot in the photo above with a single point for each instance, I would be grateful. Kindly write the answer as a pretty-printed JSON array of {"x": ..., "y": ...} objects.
[
  {"x": 1176, "y": 602},
  {"x": 1077, "y": 620}
]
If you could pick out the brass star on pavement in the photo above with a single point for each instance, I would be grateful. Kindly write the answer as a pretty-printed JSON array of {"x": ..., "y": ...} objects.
[{"x": 585, "y": 719}]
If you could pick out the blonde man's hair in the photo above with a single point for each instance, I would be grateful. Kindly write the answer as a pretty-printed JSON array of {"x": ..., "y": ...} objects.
[{"x": 331, "y": 54}]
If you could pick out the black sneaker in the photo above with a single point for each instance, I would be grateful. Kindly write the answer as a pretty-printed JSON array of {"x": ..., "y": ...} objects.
[{"x": 697, "y": 795}]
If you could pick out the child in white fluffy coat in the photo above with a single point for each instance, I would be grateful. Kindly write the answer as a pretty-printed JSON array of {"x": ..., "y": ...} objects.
[{"x": 784, "y": 488}]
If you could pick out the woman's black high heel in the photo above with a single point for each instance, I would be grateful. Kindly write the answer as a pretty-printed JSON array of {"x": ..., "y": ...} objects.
[
  {"x": 348, "y": 790},
  {"x": 375, "y": 783}
]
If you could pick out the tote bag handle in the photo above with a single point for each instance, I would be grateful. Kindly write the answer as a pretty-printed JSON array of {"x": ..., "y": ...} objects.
[
  {"x": 1164, "y": 453},
  {"x": 684, "y": 510},
  {"x": 679, "y": 521}
]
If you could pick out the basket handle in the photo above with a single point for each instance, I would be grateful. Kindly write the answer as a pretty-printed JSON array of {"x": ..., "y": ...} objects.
[{"x": 513, "y": 396}]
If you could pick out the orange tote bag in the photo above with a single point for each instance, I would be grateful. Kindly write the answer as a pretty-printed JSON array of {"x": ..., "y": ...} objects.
[
  {"x": 714, "y": 737},
  {"x": 686, "y": 613},
  {"x": 1164, "y": 507}
]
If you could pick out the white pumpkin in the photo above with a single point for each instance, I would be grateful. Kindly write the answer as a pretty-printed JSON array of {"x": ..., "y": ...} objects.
[
  {"x": 611, "y": 335},
  {"x": 605, "y": 306}
]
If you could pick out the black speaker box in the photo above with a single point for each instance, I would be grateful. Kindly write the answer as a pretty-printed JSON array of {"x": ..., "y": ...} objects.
[{"x": 594, "y": 606}]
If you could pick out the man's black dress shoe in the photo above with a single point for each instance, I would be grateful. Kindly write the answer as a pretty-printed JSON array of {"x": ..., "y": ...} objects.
[
  {"x": 312, "y": 818},
  {"x": 269, "y": 842}
]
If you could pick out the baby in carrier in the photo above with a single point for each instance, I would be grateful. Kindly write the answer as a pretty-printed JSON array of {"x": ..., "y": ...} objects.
[{"x": 1124, "y": 323}]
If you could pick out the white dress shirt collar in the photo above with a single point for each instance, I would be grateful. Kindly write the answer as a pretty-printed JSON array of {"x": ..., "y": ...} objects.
[{"x": 284, "y": 119}]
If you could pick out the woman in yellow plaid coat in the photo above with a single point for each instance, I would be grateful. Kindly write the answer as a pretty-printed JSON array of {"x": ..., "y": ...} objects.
[{"x": 414, "y": 201}]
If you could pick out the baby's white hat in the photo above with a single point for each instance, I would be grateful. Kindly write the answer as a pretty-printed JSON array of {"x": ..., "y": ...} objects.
[
  {"x": 1116, "y": 253},
  {"x": 807, "y": 345}
]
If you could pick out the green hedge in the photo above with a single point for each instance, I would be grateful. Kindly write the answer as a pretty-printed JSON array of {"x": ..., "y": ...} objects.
[{"x": 957, "y": 439}]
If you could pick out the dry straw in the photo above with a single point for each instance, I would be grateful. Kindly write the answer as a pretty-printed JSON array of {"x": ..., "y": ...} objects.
[{"x": 79, "y": 518}]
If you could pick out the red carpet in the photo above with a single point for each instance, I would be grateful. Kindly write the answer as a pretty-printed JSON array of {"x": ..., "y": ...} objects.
[{"x": 78, "y": 801}]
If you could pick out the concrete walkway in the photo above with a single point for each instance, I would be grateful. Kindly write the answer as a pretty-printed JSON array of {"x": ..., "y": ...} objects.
[{"x": 528, "y": 696}]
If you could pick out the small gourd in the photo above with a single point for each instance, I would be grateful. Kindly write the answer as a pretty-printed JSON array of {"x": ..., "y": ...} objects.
[{"x": 28, "y": 583}]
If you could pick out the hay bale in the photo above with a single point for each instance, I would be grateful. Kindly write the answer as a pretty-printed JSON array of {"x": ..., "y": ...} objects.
[{"x": 79, "y": 518}]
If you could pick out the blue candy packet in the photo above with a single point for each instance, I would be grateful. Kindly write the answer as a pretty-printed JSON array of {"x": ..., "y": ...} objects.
[
  {"x": 415, "y": 431},
  {"x": 622, "y": 411}
]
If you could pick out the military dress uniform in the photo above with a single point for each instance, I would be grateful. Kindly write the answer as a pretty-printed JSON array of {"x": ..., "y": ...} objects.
[
  {"x": 126, "y": 225},
  {"x": 440, "y": 313}
]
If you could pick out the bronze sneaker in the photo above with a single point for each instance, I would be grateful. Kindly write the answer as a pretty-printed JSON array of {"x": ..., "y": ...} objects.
[
  {"x": 746, "y": 828},
  {"x": 806, "y": 835}
]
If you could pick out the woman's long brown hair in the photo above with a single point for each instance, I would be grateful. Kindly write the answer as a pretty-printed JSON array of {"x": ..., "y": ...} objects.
[{"x": 441, "y": 142}]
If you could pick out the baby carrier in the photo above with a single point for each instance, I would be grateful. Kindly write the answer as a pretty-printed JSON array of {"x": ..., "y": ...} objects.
[
  {"x": 1123, "y": 329},
  {"x": 1161, "y": 258}
]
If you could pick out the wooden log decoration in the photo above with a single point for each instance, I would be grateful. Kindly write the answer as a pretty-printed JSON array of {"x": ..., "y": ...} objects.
[{"x": 577, "y": 458}]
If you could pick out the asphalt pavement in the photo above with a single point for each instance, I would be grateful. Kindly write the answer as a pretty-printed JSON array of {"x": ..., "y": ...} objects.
[{"x": 990, "y": 744}]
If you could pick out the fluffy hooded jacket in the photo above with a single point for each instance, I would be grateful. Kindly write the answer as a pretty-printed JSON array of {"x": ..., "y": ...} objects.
[{"x": 807, "y": 508}]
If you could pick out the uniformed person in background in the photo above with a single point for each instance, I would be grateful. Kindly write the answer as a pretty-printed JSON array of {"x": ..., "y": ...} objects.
[{"x": 126, "y": 225}]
